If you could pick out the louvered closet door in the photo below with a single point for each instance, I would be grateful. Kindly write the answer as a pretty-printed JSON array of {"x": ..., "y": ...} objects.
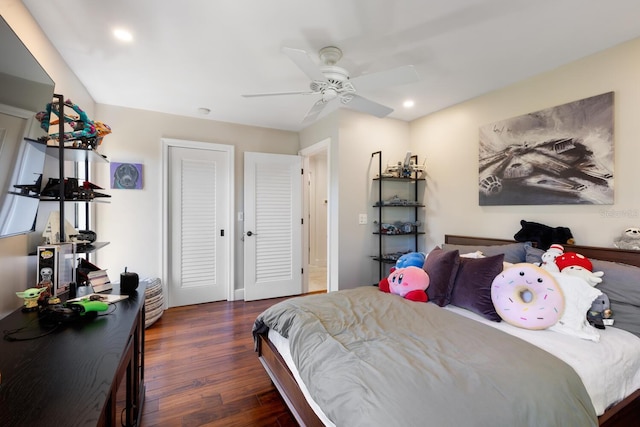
[
  {"x": 272, "y": 225},
  {"x": 197, "y": 222}
]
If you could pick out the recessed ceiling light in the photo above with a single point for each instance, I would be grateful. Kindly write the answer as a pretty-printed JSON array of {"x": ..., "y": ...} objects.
[
  {"x": 123, "y": 35},
  {"x": 408, "y": 103}
]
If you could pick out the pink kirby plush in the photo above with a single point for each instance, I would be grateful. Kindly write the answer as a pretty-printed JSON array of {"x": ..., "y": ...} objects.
[{"x": 410, "y": 283}]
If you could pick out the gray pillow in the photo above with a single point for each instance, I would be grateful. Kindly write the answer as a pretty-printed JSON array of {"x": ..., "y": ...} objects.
[
  {"x": 533, "y": 255},
  {"x": 513, "y": 252},
  {"x": 621, "y": 283}
]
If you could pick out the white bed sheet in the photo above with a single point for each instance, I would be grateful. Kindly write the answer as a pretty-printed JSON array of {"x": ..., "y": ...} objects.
[
  {"x": 607, "y": 383},
  {"x": 282, "y": 344},
  {"x": 609, "y": 369}
]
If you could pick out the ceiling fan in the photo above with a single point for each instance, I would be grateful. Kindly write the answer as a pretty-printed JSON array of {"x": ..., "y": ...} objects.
[{"x": 332, "y": 83}]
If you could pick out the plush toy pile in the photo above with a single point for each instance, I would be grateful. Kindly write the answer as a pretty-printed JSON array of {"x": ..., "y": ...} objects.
[{"x": 555, "y": 260}]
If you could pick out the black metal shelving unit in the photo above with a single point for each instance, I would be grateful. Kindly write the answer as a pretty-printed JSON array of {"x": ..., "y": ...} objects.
[
  {"x": 413, "y": 208},
  {"x": 62, "y": 154}
]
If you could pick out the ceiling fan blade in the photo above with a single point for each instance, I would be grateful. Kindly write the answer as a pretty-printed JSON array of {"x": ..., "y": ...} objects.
[
  {"x": 393, "y": 77},
  {"x": 366, "y": 106},
  {"x": 254, "y": 95},
  {"x": 304, "y": 62},
  {"x": 315, "y": 111}
]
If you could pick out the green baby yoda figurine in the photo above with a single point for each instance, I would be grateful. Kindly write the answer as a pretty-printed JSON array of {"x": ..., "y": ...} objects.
[{"x": 30, "y": 297}]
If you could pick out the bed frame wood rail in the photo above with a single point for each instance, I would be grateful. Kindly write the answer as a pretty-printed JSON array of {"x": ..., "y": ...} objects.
[
  {"x": 624, "y": 414},
  {"x": 286, "y": 383}
]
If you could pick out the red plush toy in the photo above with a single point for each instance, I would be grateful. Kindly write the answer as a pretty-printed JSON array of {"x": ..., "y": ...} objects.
[{"x": 409, "y": 282}]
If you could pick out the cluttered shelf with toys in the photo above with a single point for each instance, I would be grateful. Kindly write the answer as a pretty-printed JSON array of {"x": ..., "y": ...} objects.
[
  {"x": 398, "y": 214},
  {"x": 71, "y": 136}
]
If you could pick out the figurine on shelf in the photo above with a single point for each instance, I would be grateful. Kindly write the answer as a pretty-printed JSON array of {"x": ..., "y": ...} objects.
[
  {"x": 31, "y": 297},
  {"x": 85, "y": 132},
  {"x": 30, "y": 189},
  {"x": 46, "y": 283}
]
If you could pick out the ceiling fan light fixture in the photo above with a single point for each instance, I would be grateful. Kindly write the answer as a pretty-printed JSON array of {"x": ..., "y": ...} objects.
[
  {"x": 330, "y": 55},
  {"x": 332, "y": 82},
  {"x": 329, "y": 94}
]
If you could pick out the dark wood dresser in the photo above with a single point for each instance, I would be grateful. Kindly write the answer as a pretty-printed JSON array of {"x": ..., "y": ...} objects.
[{"x": 81, "y": 374}]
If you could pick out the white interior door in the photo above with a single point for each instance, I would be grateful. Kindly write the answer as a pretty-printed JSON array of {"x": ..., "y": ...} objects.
[
  {"x": 272, "y": 225},
  {"x": 198, "y": 225}
]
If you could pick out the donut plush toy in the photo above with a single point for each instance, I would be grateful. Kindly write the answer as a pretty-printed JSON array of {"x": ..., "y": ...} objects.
[
  {"x": 527, "y": 296},
  {"x": 408, "y": 282}
]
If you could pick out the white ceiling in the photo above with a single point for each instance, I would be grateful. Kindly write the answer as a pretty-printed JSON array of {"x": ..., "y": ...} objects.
[{"x": 207, "y": 53}]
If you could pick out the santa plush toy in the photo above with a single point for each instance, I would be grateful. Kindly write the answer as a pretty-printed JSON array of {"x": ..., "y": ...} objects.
[
  {"x": 578, "y": 265},
  {"x": 549, "y": 258}
]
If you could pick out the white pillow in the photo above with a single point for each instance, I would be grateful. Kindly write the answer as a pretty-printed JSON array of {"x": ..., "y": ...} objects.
[
  {"x": 475, "y": 255},
  {"x": 578, "y": 296}
]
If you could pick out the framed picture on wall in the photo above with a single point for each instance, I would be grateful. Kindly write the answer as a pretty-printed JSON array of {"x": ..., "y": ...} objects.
[
  {"x": 560, "y": 155},
  {"x": 126, "y": 176}
]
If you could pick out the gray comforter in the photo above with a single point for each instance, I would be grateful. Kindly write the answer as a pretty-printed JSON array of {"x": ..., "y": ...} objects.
[{"x": 375, "y": 359}]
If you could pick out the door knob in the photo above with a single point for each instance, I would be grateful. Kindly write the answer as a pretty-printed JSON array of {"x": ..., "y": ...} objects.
[{"x": 249, "y": 233}]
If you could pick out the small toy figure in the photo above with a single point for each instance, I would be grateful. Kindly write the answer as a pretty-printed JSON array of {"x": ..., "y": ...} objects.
[
  {"x": 85, "y": 132},
  {"x": 46, "y": 283},
  {"x": 31, "y": 297},
  {"x": 580, "y": 266},
  {"x": 549, "y": 258},
  {"x": 600, "y": 313}
]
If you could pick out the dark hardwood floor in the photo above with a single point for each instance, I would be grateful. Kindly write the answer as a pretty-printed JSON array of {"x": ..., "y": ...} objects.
[{"x": 201, "y": 369}]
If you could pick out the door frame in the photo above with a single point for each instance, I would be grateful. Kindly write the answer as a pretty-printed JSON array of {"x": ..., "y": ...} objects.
[
  {"x": 230, "y": 242},
  {"x": 332, "y": 284}
]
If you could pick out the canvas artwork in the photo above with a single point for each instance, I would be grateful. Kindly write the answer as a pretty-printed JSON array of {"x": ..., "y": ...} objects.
[
  {"x": 560, "y": 155},
  {"x": 126, "y": 176}
]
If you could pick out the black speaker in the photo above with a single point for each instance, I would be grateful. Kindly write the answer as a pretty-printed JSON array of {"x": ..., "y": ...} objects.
[{"x": 128, "y": 282}]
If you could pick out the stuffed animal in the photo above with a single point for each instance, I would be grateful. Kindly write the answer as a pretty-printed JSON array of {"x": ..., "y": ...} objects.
[
  {"x": 408, "y": 282},
  {"x": 600, "y": 313},
  {"x": 629, "y": 239},
  {"x": 543, "y": 235},
  {"x": 549, "y": 258},
  {"x": 578, "y": 265},
  {"x": 415, "y": 259}
]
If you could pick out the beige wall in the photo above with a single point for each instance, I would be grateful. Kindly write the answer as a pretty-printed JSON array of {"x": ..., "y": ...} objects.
[
  {"x": 132, "y": 221},
  {"x": 354, "y": 137},
  {"x": 17, "y": 268},
  {"x": 449, "y": 139}
]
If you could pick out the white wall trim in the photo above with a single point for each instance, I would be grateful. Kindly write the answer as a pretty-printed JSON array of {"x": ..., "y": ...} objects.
[{"x": 324, "y": 145}]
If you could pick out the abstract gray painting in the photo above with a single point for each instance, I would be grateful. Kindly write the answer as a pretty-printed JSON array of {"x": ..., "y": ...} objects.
[{"x": 560, "y": 155}]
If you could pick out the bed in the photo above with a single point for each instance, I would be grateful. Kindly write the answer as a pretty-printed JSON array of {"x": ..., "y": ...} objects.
[{"x": 459, "y": 387}]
